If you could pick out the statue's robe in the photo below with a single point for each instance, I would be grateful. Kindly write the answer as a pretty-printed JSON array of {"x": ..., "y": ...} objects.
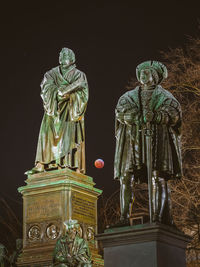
[
  {"x": 72, "y": 253},
  {"x": 62, "y": 138},
  {"x": 130, "y": 154}
]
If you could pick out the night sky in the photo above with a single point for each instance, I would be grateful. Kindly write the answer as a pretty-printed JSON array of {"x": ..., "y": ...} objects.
[{"x": 109, "y": 39}]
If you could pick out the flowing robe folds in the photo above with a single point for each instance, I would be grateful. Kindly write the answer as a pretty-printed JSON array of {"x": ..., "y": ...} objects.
[
  {"x": 72, "y": 253},
  {"x": 130, "y": 154},
  {"x": 61, "y": 138}
]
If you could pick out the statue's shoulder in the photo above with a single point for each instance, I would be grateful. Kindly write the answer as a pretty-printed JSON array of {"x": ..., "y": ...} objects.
[
  {"x": 129, "y": 98},
  {"x": 134, "y": 92},
  {"x": 52, "y": 71},
  {"x": 78, "y": 73},
  {"x": 130, "y": 94},
  {"x": 166, "y": 93},
  {"x": 160, "y": 89}
]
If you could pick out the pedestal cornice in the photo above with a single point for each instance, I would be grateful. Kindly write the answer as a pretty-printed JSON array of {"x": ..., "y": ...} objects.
[
  {"x": 57, "y": 178},
  {"x": 143, "y": 233}
]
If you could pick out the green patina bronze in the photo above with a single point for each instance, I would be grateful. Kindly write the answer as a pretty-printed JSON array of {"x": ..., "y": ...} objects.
[
  {"x": 66, "y": 182},
  {"x": 61, "y": 143},
  {"x": 4, "y": 260},
  {"x": 13, "y": 257},
  {"x": 148, "y": 122},
  {"x": 71, "y": 249}
]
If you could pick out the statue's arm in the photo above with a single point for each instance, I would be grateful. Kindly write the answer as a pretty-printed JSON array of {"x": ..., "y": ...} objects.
[
  {"x": 169, "y": 113},
  {"x": 58, "y": 256},
  {"x": 49, "y": 94},
  {"x": 126, "y": 112},
  {"x": 79, "y": 83}
]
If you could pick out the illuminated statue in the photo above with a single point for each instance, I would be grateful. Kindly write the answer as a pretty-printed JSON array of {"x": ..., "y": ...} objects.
[
  {"x": 148, "y": 121},
  {"x": 61, "y": 143},
  {"x": 71, "y": 250}
]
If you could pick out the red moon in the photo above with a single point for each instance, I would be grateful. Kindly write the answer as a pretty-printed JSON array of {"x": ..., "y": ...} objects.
[{"x": 99, "y": 163}]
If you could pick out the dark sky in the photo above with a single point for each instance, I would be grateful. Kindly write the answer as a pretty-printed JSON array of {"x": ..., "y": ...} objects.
[{"x": 109, "y": 39}]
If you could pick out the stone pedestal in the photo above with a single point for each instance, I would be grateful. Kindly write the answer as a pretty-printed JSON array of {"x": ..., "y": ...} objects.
[
  {"x": 149, "y": 245},
  {"x": 49, "y": 199}
]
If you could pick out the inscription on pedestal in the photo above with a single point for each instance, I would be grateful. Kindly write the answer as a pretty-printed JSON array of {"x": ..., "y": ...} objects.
[
  {"x": 83, "y": 208},
  {"x": 43, "y": 207}
]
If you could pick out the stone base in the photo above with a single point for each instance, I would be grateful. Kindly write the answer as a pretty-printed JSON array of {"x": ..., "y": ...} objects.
[
  {"x": 42, "y": 257},
  {"x": 49, "y": 199},
  {"x": 152, "y": 245}
]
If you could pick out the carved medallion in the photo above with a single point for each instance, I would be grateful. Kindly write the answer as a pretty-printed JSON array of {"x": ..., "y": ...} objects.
[
  {"x": 52, "y": 231},
  {"x": 90, "y": 233},
  {"x": 34, "y": 233}
]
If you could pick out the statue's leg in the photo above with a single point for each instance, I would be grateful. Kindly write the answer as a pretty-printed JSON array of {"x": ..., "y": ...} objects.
[
  {"x": 163, "y": 198},
  {"x": 155, "y": 197},
  {"x": 168, "y": 208},
  {"x": 159, "y": 197},
  {"x": 125, "y": 196},
  {"x": 131, "y": 200}
]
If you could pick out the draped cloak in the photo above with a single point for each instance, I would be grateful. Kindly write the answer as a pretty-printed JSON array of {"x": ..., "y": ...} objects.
[
  {"x": 61, "y": 138},
  {"x": 79, "y": 251},
  {"x": 130, "y": 154}
]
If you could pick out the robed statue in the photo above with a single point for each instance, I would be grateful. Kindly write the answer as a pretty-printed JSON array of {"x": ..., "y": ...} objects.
[
  {"x": 148, "y": 124},
  {"x": 61, "y": 143},
  {"x": 71, "y": 249}
]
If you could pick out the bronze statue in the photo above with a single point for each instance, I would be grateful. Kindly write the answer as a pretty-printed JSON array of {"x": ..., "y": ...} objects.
[
  {"x": 4, "y": 260},
  {"x": 71, "y": 250},
  {"x": 61, "y": 143},
  {"x": 13, "y": 257},
  {"x": 148, "y": 122}
]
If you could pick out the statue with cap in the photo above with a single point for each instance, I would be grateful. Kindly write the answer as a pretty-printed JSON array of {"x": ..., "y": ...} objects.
[
  {"x": 71, "y": 249},
  {"x": 148, "y": 124},
  {"x": 61, "y": 142}
]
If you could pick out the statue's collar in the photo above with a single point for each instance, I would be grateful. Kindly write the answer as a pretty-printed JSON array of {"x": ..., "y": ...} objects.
[
  {"x": 150, "y": 88},
  {"x": 67, "y": 70},
  {"x": 156, "y": 99}
]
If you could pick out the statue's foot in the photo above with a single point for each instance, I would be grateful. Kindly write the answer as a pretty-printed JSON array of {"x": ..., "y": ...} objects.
[
  {"x": 38, "y": 168},
  {"x": 52, "y": 166}
]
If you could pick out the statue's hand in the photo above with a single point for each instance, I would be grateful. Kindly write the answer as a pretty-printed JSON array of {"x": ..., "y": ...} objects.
[
  {"x": 161, "y": 117},
  {"x": 66, "y": 96},
  {"x": 61, "y": 91},
  {"x": 63, "y": 97}
]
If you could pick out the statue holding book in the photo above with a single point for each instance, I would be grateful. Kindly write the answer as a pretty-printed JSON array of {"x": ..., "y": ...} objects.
[{"x": 61, "y": 142}]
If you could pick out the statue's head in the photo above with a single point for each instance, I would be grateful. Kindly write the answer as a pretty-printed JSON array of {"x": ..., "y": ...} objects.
[
  {"x": 66, "y": 57},
  {"x": 151, "y": 72},
  {"x": 71, "y": 228}
]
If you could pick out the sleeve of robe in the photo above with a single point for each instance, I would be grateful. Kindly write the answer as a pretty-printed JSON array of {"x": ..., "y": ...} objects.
[
  {"x": 78, "y": 97},
  {"x": 171, "y": 108},
  {"x": 125, "y": 117},
  {"x": 49, "y": 94}
]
